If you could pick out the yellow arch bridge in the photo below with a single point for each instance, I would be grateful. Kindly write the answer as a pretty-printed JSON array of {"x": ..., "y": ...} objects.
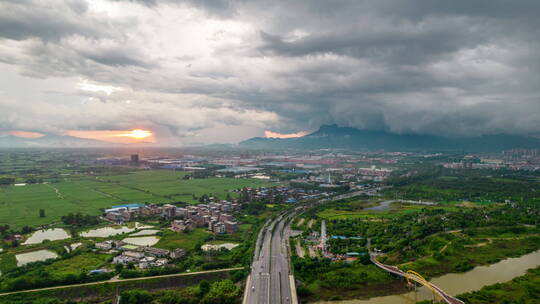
[{"x": 414, "y": 277}]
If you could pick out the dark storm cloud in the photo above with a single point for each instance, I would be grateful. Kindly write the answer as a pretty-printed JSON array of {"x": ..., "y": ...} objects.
[
  {"x": 442, "y": 67},
  {"x": 115, "y": 56},
  {"x": 144, "y": 2},
  {"x": 435, "y": 67},
  {"x": 64, "y": 39},
  {"x": 20, "y": 20},
  {"x": 220, "y": 8}
]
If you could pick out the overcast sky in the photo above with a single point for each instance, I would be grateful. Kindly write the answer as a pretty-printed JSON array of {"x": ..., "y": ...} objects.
[{"x": 206, "y": 71}]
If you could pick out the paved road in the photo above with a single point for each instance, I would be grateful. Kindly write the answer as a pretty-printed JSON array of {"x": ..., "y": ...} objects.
[
  {"x": 280, "y": 289},
  {"x": 121, "y": 280},
  {"x": 269, "y": 279}
]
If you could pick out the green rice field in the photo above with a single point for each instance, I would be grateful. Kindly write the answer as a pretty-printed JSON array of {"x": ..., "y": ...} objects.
[{"x": 19, "y": 205}]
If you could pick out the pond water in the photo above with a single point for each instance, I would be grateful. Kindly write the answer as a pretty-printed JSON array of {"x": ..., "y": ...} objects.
[
  {"x": 145, "y": 232},
  {"x": 228, "y": 246},
  {"x": 34, "y": 256},
  {"x": 142, "y": 241},
  {"x": 381, "y": 206},
  {"x": 106, "y": 231},
  {"x": 458, "y": 283},
  {"x": 142, "y": 226},
  {"x": 48, "y": 234},
  {"x": 114, "y": 230}
]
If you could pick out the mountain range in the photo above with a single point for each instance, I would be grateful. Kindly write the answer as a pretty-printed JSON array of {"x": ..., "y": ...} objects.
[
  {"x": 326, "y": 137},
  {"x": 333, "y": 136}
]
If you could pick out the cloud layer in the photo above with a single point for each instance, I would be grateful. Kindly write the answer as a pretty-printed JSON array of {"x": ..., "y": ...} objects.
[{"x": 238, "y": 68}]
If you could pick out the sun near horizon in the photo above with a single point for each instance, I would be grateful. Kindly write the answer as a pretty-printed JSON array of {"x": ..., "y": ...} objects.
[
  {"x": 137, "y": 133},
  {"x": 117, "y": 136}
]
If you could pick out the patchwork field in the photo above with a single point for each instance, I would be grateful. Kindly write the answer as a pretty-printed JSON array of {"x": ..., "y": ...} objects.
[
  {"x": 393, "y": 211},
  {"x": 20, "y": 206},
  {"x": 188, "y": 241}
]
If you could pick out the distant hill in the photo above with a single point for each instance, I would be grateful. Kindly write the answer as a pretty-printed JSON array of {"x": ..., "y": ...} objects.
[
  {"x": 51, "y": 141},
  {"x": 333, "y": 136}
]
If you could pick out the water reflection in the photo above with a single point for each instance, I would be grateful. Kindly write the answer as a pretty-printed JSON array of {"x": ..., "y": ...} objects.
[
  {"x": 458, "y": 283},
  {"x": 49, "y": 234},
  {"x": 142, "y": 241},
  {"x": 34, "y": 256},
  {"x": 145, "y": 232},
  {"x": 106, "y": 231}
]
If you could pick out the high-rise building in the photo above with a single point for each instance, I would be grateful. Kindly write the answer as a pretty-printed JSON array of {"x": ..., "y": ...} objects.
[{"x": 134, "y": 159}]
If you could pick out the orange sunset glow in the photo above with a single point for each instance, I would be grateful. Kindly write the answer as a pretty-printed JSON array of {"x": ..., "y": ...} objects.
[
  {"x": 137, "y": 133},
  {"x": 270, "y": 134},
  {"x": 117, "y": 136},
  {"x": 25, "y": 134}
]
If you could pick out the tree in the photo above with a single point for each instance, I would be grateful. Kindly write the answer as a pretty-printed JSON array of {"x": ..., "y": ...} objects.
[
  {"x": 136, "y": 296},
  {"x": 26, "y": 229},
  {"x": 118, "y": 268},
  {"x": 204, "y": 287},
  {"x": 222, "y": 292},
  {"x": 41, "y": 212},
  {"x": 6, "y": 180}
]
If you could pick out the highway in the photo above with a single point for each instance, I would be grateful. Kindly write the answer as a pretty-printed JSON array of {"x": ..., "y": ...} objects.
[{"x": 269, "y": 279}]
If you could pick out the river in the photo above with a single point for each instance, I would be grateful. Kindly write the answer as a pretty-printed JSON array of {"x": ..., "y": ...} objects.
[{"x": 458, "y": 283}]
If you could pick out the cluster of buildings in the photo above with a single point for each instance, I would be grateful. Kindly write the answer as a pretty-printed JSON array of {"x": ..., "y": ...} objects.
[
  {"x": 520, "y": 154},
  {"x": 213, "y": 215},
  {"x": 515, "y": 159},
  {"x": 318, "y": 242},
  {"x": 287, "y": 195},
  {"x": 493, "y": 163},
  {"x": 143, "y": 257},
  {"x": 374, "y": 173},
  {"x": 127, "y": 212}
]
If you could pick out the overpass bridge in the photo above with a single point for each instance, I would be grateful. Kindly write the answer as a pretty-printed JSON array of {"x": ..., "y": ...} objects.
[{"x": 412, "y": 276}]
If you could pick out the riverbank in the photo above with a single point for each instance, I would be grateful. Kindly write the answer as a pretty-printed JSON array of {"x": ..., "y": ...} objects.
[
  {"x": 522, "y": 289},
  {"x": 459, "y": 257},
  {"x": 460, "y": 283}
]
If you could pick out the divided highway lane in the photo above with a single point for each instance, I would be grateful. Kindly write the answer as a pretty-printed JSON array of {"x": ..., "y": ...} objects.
[
  {"x": 269, "y": 278},
  {"x": 269, "y": 281},
  {"x": 280, "y": 289}
]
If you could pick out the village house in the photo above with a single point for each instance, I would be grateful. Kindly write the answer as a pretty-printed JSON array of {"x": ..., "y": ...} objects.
[{"x": 177, "y": 253}]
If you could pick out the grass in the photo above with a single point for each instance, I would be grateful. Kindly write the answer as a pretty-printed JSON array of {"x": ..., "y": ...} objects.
[
  {"x": 104, "y": 291},
  {"x": 523, "y": 289},
  {"x": 341, "y": 281},
  {"x": 396, "y": 210},
  {"x": 82, "y": 262},
  {"x": 185, "y": 240},
  {"x": 20, "y": 206},
  {"x": 219, "y": 242},
  {"x": 7, "y": 262},
  {"x": 458, "y": 258}
]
